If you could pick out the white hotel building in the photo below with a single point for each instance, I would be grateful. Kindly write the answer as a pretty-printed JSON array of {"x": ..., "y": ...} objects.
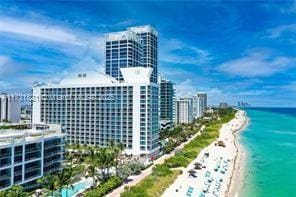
[
  {"x": 95, "y": 108},
  {"x": 27, "y": 154}
]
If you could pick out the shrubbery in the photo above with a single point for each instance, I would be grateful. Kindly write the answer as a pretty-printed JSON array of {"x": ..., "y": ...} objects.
[
  {"x": 105, "y": 187},
  {"x": 161, "y": 170}
]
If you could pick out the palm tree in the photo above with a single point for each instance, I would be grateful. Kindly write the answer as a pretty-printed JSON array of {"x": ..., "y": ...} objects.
[
  {"x": 106, "y": 159},
  {"x": 92, "y": 164},
  {"x": 49, "y": 182},
  {"x": 64, "y": 179},
  {"x": 91, "y": 172},
  {"x": 102, "y": 160}
]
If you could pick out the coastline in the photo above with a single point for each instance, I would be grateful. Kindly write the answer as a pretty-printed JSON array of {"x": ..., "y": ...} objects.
[
  {"x": 239, "y": 167},
  {"x": 219, "y": 163}
]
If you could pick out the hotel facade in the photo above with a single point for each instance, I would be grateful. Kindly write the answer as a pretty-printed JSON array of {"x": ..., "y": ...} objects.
[
  {"x": 95, "y": 108},
  {"x": 121, "y": 105},
  {"x": 26, "y": 155}
]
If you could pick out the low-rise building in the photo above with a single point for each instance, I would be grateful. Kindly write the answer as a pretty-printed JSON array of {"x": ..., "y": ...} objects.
[{"x": 28, "y": 154}]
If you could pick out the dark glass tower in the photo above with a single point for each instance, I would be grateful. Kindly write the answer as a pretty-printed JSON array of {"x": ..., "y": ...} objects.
[
  {"x": 123, "y": 49},
  {"x": 137, "y": 46}
]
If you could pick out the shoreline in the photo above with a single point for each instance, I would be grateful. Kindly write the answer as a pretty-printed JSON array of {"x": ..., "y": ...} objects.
[
  {"x": 239, "y": 167},
  {"x": 218, "y": 161}
]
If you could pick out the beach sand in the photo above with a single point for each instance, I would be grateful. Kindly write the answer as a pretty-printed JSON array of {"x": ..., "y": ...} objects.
[
  {"x": 218, "y": 175},
  {"x": 238, "y": 172}
]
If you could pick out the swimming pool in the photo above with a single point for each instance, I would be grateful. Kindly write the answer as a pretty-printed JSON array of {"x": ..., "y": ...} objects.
[{"x": 77, "y": 187}]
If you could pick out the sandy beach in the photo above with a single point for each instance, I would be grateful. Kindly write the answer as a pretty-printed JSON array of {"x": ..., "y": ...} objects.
[
  {"x": 238, "y": 172},
  {"x": 217, "y": 162}
]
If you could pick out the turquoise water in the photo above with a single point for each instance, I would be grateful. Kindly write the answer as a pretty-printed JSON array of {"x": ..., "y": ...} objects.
[
  {"x": 270, "y": 141},
  {"x": 71, "y": 191}
]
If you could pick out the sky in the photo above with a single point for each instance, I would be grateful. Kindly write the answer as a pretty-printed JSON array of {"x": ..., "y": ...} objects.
[{"x": 235, "y": 51}]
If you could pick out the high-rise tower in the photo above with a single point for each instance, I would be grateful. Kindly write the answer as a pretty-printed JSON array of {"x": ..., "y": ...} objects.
[{"x": 137, "y": 46}]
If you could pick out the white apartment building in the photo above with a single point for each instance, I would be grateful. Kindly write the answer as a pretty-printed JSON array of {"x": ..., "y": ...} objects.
[
  {"x": 95, "y": 108},
  {"x": 199, "y": 104},
  {"x": 9, "y": 108},
  {"x": 183, "y": 110},
  {"x": 28, "y": 154}
]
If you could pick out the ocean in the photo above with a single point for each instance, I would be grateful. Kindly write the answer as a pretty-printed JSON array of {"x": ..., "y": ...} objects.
[{"x": 270, "y": 142}]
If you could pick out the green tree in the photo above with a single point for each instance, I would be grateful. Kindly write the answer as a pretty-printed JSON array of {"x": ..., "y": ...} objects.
[
  {"x": 14, "y": 191},
  {"x": 123, "y": 172},
  {"x": 91, "y": 172},
  {"x": 64, "y": 178},
  {"x": 135, "y": 166},
  {"x": 50, "y": 183}
]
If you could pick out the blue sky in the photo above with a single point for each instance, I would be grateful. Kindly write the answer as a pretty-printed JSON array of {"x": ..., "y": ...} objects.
[{"x": 234, "y": 51}]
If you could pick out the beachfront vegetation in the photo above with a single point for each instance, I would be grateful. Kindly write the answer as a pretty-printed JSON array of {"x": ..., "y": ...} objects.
[
  {"x": 54, "y": 183},
  {"x": 19, "y": 126},
  {"x": 104, "y": 165},
  {"x": 105, "y": 187},
  {"x": 14, "y": 191},
  {"x": 152, "y": 185},
  {"x": 181, "y": 133}
]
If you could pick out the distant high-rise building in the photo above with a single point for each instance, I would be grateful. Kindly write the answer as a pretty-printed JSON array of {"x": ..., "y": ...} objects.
[
  {"x": 166, "y": 100},
  {"x": 95, "y": 108},
  {"x": 184, "y": 110},
  {"x": 9, "y": 108},
  {"x": 223, "y": 105},
  {"x": 199, "y": 104},
  {"x": 137, "y": 46},
  {"x": 202, "y": 103}
]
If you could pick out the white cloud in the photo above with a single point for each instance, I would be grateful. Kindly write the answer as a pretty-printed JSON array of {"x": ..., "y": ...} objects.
[
  {"x": 254, "y": 92},
  {"x": 3, "y": 61},
  {"x": 289, "y": 10},
  {"x": 87, "y": 50},
  {"x": 4, "y": 85},
  {"x": 257, "y": 64},
  {"x": 276, "y": 32},
  {"x": 215, "y": 95},
  {"x": 176, "y": 51},
  {"x": 39, "y": 31},
  {"x": 185, "y": 88},
  {"x": 7, "y": 66},
  {"x": 290, "y": 87},
  {"x": 86, "y": 64}
]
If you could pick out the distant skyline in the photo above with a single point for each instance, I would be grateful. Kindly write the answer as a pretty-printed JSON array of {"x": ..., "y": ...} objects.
[{"x": 242, "y": 51}]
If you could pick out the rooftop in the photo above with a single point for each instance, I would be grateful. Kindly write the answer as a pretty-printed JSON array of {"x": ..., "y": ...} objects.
[
  {"x": 91, "y": 78},
  {"x": 7, "y": 136},
  {"x": 122, "y": 35}
]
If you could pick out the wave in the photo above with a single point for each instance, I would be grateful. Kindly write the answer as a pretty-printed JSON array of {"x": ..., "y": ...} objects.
[
  {"x": 284, "y": 132},
  {"x": 286, "y": 144}
]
